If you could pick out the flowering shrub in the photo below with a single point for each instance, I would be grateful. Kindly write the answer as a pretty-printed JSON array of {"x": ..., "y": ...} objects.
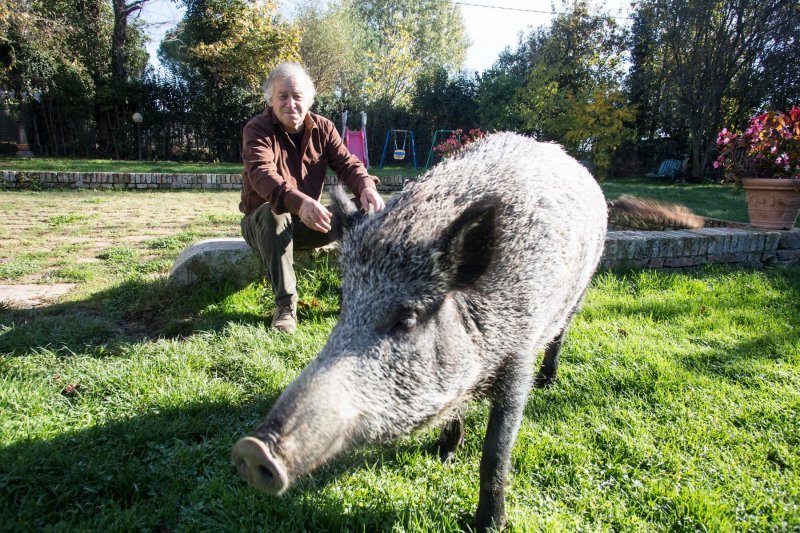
[
  {"x": 457, "y": 141},
  {"x": 768, "y": 148}
]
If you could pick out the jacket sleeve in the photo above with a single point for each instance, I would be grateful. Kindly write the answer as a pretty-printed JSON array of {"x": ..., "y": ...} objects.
[
  {"x": 258, "y": 154},
  {"x": 348, "y": 168}
]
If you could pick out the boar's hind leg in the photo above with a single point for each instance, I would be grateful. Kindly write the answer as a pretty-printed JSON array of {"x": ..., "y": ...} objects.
[
  {"x": 510, "y": 394},
  {"x": 451, "y": 438},
  {"x": 548, "y": 372}
]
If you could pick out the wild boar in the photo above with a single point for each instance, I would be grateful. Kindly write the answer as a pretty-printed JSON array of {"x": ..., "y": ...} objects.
[{"x": 449, "y": 293}]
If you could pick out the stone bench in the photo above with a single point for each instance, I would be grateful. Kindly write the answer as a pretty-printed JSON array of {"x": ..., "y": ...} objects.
[{"x": 231, "y": 259}]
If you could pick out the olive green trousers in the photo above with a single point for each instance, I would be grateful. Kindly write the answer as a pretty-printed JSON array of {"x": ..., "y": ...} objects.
[{"x": 274, "y": 238}]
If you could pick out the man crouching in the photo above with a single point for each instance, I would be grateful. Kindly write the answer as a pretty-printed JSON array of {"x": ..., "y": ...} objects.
[{"x": 286, "y": 152}]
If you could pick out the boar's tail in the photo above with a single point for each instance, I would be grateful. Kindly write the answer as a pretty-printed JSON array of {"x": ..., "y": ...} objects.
[
  {"x": 344, "y": 211},
  {"x": 633, "y": 213}
]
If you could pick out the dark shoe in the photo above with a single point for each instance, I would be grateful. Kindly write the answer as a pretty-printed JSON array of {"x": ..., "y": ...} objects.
[{"x": 285, "y": 318}]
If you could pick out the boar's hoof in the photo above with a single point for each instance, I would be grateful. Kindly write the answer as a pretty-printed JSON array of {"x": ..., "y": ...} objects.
[
  {"x": 257, "y": 466},
  {"x": 543, "y": 381},
  {"x": 451, "y": 439}
]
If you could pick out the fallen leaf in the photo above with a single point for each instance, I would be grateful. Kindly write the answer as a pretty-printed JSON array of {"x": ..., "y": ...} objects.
[{"x": 72, "y": 390}]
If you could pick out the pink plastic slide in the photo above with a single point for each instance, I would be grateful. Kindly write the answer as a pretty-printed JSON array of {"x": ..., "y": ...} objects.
[{"x": 356, "y": 143}]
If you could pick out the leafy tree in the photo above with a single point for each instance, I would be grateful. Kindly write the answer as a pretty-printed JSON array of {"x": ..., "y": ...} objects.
[
  {"x": 223, "y": 50},
  {"x": 392, "y": 69},
  {"x": 120, "y": 50},
  {"x": 780, "y": 77},
  {"x": 599, "y": 126},
  {"x": 499, "y": 88},
  {"x": 709, "y": 58},
  {"x": 646, "y": 81},
  {"x": 444, "y": 102},
  {"x": 436, "y": 28},
  {"x": 332, "y": 48},
  {"x": 57, "y": 53},
  {"x": 411, "y": 36},
  {"x": 563, "y": 84},
  {"x": 229, "y": 42}
]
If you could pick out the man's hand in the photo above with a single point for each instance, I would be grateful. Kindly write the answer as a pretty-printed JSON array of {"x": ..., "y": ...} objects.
[
  {"x": 370, "y": 199},
  {"x": 314, "y": 215}
]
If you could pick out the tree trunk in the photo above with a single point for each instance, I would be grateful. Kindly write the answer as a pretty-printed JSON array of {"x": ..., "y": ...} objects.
[
  {"x": 697, "y": 148},
  {"x": 35, "y": 122},
  {"x": 119, "y": 37},
  {"x": 53, "y": 129}
]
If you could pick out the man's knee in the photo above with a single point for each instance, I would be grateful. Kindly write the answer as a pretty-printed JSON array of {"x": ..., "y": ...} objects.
[
  {"x": 269, "y": 222},
  {"x": 266, "y": 232}
]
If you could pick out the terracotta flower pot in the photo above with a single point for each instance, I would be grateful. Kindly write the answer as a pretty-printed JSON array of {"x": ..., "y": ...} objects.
[{"x": 772, "y": 203}]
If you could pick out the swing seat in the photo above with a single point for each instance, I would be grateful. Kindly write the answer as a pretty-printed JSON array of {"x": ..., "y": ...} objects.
[{"x": 399, "y": 154}]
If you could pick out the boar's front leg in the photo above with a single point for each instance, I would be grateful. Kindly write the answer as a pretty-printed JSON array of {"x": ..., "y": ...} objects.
[
  {"x": 510, "y": 394},
  {"x": 451, "y": 438}
]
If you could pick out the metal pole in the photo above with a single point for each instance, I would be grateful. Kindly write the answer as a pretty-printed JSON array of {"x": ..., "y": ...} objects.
[{"x": 138, "y": 141}]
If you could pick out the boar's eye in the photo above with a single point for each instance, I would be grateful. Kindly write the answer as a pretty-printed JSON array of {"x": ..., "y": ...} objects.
[{"x": 406, "y": 321}]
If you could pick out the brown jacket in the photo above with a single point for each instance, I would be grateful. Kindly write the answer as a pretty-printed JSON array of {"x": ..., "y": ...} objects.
[{"x": 276, "y": 172}]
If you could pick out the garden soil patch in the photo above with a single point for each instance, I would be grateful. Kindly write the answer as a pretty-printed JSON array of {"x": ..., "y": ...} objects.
[
  {"x": 92, "y": 249},
  {"x": 31, "y": 296}
]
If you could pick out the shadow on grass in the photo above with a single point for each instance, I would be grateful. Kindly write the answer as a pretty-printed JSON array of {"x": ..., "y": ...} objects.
[
  {"x": 170, "y": 469},
  {"x": 134, "y": 311},
  {"x": 744, "y": 364}
]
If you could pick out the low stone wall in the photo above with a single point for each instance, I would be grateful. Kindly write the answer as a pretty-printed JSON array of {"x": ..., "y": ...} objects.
[
  {"x": 686, "y": 249},
  {"x": 11, "y": 179},
  {"x": 217, "y": 260},
  {"x": 117, "y": 180}
]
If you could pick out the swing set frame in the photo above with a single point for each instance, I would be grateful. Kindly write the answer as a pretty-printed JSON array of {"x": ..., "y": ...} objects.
[
  {"x": 436, "y": 134},
  {"x": 386, "y": 145}
]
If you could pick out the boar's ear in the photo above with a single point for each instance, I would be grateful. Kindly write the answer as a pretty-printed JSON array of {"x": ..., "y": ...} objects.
[
  {"x": 344, "y": 211},
  {"x": 468, "y": 244}
]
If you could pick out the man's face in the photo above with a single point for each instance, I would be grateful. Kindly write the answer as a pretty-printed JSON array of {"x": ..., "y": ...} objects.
[{"x": 290, "y": 104}]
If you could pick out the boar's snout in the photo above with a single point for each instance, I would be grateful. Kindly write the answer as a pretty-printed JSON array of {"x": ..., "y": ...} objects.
[{"x": 258, "y": 466}]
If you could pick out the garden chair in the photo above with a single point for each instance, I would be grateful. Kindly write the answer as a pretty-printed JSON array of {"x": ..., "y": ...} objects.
[{"x": 668, "y": 169}]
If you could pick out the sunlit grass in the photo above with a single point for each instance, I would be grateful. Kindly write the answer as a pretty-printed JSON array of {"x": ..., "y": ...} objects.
[{"x": 677, "y": 407}]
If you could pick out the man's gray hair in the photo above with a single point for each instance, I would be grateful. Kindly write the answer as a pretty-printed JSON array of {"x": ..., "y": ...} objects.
[{"x": 285, "y": 71}]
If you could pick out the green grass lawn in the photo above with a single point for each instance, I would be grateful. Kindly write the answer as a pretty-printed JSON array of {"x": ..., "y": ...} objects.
[{"x": 677, "y": 407}]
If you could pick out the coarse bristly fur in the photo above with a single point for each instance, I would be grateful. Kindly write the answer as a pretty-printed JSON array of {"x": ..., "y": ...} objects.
[
  {"x": 634, "y": 213},
  {"x": 451, "y": 291}
]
